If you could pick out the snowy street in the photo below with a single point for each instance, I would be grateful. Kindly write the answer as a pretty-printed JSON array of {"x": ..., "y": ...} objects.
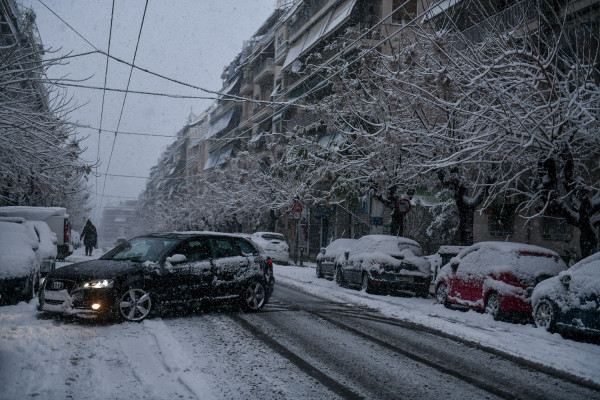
[{"x": 313, "y": 340}]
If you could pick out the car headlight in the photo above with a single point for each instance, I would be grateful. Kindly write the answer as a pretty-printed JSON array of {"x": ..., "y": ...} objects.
[{"x": 99, "y": 284}]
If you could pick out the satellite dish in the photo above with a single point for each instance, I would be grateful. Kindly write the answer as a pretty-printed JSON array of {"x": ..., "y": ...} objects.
[{"x": 296, "y": 65}]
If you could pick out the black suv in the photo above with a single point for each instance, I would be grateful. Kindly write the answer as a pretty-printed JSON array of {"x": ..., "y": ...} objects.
[{"x": 161, "y": 269}]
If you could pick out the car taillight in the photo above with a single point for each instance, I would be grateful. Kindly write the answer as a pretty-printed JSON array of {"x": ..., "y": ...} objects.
[
  {"x": 66, "y": 232},
  {"x": 270, "y": 262}
]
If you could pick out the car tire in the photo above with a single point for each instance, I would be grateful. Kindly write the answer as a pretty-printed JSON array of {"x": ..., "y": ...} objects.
[
  {"x": 134, "y": 304},
  {"x": 492, "y": 306},
  {"x": 32, "y": 287},
  {"x": 254, "y": 297},
  {"x": 544, "y": 315},
  {"x": 441, "y": 294}
]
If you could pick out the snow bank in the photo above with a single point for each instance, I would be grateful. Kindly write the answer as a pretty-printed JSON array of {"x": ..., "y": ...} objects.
[{"x": 525, "y": 341}]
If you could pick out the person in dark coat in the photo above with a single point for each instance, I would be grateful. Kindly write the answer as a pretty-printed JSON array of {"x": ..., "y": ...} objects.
[{"x": 89, "y": 236}]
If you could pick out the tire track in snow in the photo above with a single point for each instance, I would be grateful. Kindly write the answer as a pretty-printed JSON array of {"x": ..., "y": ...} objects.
[{"x": 161, "y": 367}]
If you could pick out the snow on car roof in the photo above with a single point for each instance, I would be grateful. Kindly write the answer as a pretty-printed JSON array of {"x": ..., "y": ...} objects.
[
  {"x": 508, "y": 247},
  {"x": 447, "y": 249},
  {"x": 594, "y": 258},
  {"x": 370, "y": 243},
  {"x": 33, "y": 213},
  {"x": 338, "y": 246}
]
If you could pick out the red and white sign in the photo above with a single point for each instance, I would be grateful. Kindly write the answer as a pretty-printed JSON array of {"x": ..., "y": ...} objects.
[
  {"x": 297, "y": 211},
  {"x": 403, "y": 206}
]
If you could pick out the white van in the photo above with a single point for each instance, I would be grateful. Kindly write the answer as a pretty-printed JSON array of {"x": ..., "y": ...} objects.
[{"x": 56, "y": 218}]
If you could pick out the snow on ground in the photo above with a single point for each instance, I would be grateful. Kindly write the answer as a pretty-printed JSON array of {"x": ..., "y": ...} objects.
[
  {"x": 57, "y": 359},
  {"x": 525, "y": 341}
]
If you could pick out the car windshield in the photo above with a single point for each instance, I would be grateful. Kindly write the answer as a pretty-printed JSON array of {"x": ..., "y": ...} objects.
[{"x": 141, "y": 249}]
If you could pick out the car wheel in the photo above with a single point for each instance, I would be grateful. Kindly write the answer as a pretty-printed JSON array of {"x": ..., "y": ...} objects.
[
  {"x": 544, "y": 315},
  {"x": 441, "y": 294},
  {"x": 492, "y": 306},
  {"x": 254, "y": 297},
  {"x": 134, "y": 304},
  {"x": 31, "y": 288}
]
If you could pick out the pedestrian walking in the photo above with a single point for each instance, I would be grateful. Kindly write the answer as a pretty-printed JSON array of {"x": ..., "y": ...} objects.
[{"x": 89, "y": 236}]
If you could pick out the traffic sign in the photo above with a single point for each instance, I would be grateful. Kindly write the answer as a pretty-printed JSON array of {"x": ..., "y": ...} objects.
[{"x": 403, "y": 206}]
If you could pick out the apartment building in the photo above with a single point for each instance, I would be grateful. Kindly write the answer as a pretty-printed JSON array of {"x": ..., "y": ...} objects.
[{"x": 274, "y": 72}]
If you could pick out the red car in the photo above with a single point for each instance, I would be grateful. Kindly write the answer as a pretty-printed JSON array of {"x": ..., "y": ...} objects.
[{"x": 497, "y": 277}]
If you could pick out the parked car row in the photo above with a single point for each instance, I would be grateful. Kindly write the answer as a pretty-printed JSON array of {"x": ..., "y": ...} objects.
[
  {"x": 162, "y": 271},
  {"x": 500, "y": 278},
  {"x": 27, "y": 252}
]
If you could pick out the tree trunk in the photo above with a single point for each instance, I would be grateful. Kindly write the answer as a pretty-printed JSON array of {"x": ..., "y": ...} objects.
[
  {"x": 465, "y": 222},
  {"x": 466, "y": 205},
  {"x": 272, "y": 220},
  {"x": 397, "y": 223}
]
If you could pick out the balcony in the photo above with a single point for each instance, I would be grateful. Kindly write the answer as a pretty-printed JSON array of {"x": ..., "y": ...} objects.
[
  {"x": 264, "y": 69},
  {"x": 247, "y": 86},
  {"x": 518, "y": 14}
]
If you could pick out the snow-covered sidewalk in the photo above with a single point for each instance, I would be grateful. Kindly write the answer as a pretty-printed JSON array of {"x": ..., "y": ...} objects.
[{"x": 525, "y": 341}]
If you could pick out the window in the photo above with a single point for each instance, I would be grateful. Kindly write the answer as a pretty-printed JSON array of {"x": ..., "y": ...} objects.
[
  {"x": 196, "y": 250},
  {"x": 225, "y": 247},
  {"x": 501, "y": 220},
  {"x": 554, "y": 227},
  {"x": 245, "y": 246}
]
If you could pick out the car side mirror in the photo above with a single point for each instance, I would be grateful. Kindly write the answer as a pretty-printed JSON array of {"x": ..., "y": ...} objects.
[
  {"x": 454, "y": 266},
  {"x": 565, "y": 279},
  {"x": 346, "y": 254},
  {"x": 323, "y": 250},
  {"x": 176, "y": 259}
]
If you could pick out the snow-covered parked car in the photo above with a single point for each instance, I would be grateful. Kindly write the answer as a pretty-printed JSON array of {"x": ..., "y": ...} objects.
[
  {"x": 274, "y": 246},
  {"x": 19, "y": 262},
  {"x": 497, "y": 277},
  {"x": 327, "y": 258},
  {"x": 164, "y": 271},
  {"x": 75, "y": 242},
  {"x": 571, "y": 300},
  {"x": 383, "y": 263},
  {"x": 46, "y": 251},
  {"x": 56, "y": 218}
]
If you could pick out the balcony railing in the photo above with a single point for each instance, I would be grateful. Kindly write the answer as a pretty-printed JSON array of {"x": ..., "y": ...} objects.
[
  {"x": 306, "y": 15},
  {"x": 264, "y": 68},
  {"x": 516, "y": 15}
]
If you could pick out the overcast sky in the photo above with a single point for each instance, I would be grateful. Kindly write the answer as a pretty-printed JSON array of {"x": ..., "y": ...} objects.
[{"x": 188, "y": 40}]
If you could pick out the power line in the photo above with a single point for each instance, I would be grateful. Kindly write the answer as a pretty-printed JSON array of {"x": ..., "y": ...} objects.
[
  {"x": 333, "y": 58},
  {"x": 112, "y": 13},
  {"x": 124, "y": 100},
  {"x": 124, "y": 132},
  {"x": 175, "y": 96},
  {"x": 112, "y": 57}
]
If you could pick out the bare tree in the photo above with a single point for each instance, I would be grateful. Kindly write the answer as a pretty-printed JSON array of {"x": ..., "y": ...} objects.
[{"x": 40, "y": 160}]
